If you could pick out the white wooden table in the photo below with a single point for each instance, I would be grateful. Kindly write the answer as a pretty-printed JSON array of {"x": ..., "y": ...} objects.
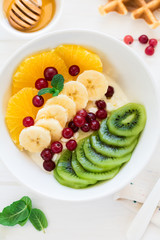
[{"x": 104, "y": 218}]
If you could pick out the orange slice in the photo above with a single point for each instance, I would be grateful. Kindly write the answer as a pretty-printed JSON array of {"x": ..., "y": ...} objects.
[
  {"x": 33, "y": 68},
  {"x": 20, "y": 106},
  {"x": 77, "y": 55}
]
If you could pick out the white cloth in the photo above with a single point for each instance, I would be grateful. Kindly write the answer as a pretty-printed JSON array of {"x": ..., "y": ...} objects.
[{"x": 135, "y": 193}]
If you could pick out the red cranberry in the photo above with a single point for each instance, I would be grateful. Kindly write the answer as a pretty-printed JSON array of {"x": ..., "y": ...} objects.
[
  {"x": 101, "y": 114},
  {"x": 143, "y": 39},
  {"x": 82, "y": 112},
  {"x": 56, "y": 147},
  {"x": 47, "y": 154},
  {"x": 73, "y": 126},
  {"x": 49, "y": 73},
  {"x": 101, "y": 104},
  {"x": 49, "y": 165},
  {"x": 74, "y": 70},
  {"x": 85, "y": 127},
  {"x": 67, "y": 133},
  {"x": 95, "y": 125},
  {"x": 153, "y": 42},
  {"x": 79, "y": 121},
  {"x": 28, "y": 121},
  {"x": 110, "y": 92},
  {"x": 149, "y": 50},
  {"x": 90, "y": 117},
  {"x": 128, "y": 39},
  {"x": 41, "y": 83},
  {"x": 71, "y": 145},
  {"x": 38, "y": 101}
]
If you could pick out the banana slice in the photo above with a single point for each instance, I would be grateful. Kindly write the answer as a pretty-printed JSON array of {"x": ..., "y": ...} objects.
[
  {"x": 95, "y": 83},
  {"x": 34, "y": 138},
  {"x": 54, "y": 111},
  {"x": 53, "y": 126},
  {"x": 77, "y": 92},
  {"x": 65, "y": 102}
]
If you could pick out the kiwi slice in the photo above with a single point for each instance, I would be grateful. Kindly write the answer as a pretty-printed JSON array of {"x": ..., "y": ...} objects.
[
  {"x": 82, "y": 173},
  {"x": 66, "y": 172},
  {"x": 86, "y": 164},
  {"x": 103, "y": 161},
  {"x": 68, "y": 183},
  {"x": 128, "y": 120},
  {"x": 111, "y": 139},
  {"x": 110, "y": 151}
]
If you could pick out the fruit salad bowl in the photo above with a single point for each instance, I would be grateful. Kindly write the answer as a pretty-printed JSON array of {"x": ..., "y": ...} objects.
[{"x": 131, "y": 74}]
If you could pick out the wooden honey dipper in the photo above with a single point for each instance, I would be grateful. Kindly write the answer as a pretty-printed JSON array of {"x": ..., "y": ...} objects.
[{"x": 24, "y": 14}]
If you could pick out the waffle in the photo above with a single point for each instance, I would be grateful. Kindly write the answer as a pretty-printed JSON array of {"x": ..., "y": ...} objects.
[
  {"x": 114, "y": 5},
  {"x": 143, "y": 9}
]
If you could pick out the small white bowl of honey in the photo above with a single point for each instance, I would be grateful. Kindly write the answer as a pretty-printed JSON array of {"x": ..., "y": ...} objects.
[{"x": 29, "y": 18}]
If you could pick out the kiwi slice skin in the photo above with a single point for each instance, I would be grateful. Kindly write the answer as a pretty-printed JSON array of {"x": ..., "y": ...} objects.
[
  {"x": 110, "y": 151},
  {"x": 68, "y": 183},
  {"x": 111, "y": 139},
  {"x": 103, "y": 161},
  {"x": 85, "y": 163},
  {"x": 83, "y": 174},
  {"x": 128, "y": 120},
  {"x": 66, "y": 172}
]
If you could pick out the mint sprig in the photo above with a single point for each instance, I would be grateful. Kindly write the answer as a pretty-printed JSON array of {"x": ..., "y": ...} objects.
[
  {"x": 57, "y": 84},
  {"x": 20, "y": 212}
]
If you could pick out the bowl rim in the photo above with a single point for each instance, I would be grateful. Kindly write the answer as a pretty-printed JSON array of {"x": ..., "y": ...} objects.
[
  {"x": 155, "y": 87},
  {"x": 31, "y": 35}
]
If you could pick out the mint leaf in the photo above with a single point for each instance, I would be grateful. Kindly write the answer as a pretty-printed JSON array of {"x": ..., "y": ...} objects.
[
  {"x": 22, "y": 223},
  {"x": 58, "y": 82},
  {"x": 28, "y": 202},
  {"x": 55, "y": 93},
  {"x": 38, "y": 219},
  {"x": 14, "y": 213},
  {"x": 45, "y": 90}
]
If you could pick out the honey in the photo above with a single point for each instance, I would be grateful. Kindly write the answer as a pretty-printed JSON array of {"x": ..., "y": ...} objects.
[{"x": 48, "y": 11}]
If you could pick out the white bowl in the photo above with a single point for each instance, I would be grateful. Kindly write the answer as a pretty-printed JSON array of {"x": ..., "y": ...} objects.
[
  {"x": 134, "y": 79},
  {"x": 24, "y": 35}
]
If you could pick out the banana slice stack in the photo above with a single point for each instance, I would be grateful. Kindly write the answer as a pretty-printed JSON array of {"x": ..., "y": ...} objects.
[{"x": 57, "y": 111}]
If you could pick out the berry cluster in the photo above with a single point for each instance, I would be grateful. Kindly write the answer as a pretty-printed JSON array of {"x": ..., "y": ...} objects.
[
  {"x": 143, "y": 39},
  {"x": 47, "y": 155},
  {"x": 86, "y": 121}
]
